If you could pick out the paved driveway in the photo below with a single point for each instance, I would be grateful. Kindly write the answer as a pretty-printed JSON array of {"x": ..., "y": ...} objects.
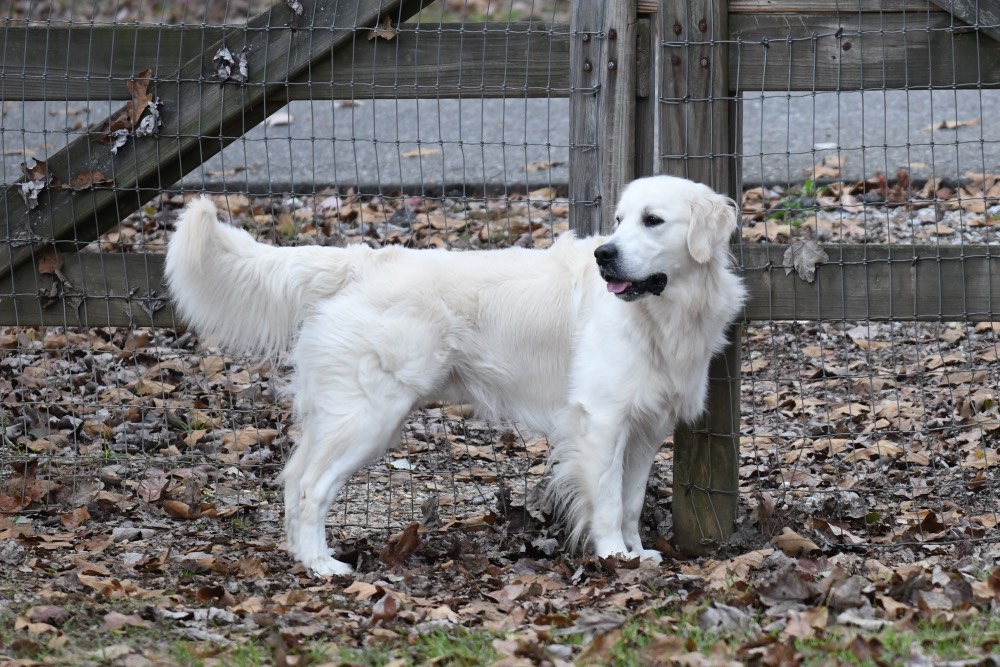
[{"x": 500, "y": 145}]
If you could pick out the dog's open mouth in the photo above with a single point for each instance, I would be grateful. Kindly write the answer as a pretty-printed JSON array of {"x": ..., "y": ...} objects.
[{"x": 630, "y": 290}]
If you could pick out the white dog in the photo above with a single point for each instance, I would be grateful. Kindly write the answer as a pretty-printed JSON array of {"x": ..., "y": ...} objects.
[{"x": 603, "y": 356}]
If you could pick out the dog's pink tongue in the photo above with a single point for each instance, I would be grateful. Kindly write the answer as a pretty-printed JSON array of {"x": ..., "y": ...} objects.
[{"x": 618, "y": 286}]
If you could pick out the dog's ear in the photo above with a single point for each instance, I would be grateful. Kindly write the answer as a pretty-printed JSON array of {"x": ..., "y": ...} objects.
[{"x": 713, "y": 221}]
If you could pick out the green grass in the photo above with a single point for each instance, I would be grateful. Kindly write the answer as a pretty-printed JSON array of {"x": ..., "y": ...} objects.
[
  {"x": 456, "y": 646},
  {"x": 642, "y": 637}
]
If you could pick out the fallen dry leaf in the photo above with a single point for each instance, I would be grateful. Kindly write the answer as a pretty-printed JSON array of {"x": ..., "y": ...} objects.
[
  {"x": 794, "y": 544},
  {"x": 803, "y": 257},
  {"x": 384, "y": 30},
  {"x": 385, "y": 609},
  {"x": 955, "y": 124},
  {"x": 114, "y": 621},
  {"x": 420, "y": 152},
  {"x": 402, "y": 547},
  {"x": 74, "y": 519}
]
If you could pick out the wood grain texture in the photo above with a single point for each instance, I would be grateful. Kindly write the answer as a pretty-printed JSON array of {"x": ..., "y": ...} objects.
[
  {"x": 199, "y": 120},
  {"x": 645, "y": 103},
  {"x": 94, "y": 62},
  {"x": 877, "y": 283},
  {"x": 696, "y": 136},
  {"x": 616, "y": 133},
  {"x": 983, "y": 14},
  {"x": 475, "y": 60},
  {"x": 817, "y": 52},
  {"x": 803, "y": 52},
  {"x": 814, "y": 6},
  {"x": 602, "y": 110},
  {"x": 706, "y": 460},
  {"x": 103, "y": 290},
  {"x": 585, "y": 53}
]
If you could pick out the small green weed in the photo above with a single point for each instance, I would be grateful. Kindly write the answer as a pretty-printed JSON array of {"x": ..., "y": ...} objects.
[
  {"x": 797, "y": 205},
  {"x": 457, "y": 646}
]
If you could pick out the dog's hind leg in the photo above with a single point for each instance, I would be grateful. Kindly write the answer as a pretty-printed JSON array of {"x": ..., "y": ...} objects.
[
  {"x": 332, "y": 448},
  {"x": 359, "y": 372}
]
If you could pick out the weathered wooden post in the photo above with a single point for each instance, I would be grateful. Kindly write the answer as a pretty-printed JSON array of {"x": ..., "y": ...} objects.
[
  {"x": 614, "y": 72},
  {"x": 699, "y": 123},
  {"x": 602, "y": 110}
]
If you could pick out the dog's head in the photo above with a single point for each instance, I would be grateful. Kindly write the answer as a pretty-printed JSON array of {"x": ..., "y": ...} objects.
[{"x": 664, "y": 224}]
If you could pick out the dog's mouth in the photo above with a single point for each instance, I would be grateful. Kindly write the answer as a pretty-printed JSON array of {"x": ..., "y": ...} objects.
[{"x": 630, "y": 290}]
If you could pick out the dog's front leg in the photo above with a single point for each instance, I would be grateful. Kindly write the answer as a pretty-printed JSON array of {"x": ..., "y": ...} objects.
[
  {"x": 639, "y": 459},
  {"x": 604, "y": 467}
]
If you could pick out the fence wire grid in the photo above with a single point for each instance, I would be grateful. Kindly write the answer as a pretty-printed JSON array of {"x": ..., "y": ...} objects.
[{"x": 861, "y": 428}]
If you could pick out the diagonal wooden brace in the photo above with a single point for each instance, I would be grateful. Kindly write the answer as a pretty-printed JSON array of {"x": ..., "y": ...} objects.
[
  {"x": 200, "y": 118},
  {"x": 984, "y": 15}
]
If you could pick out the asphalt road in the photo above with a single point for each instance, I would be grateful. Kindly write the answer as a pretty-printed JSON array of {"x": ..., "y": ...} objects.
[{"x": 500, "y": 145}]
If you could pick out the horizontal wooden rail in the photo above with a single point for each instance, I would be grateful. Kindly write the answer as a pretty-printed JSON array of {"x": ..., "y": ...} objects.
[
  {"x": 93, "y": 290},
  {"x": 874, "y": 282},
  {"x": 448, "y": 61},
  {"x": 815, "y": 51},
  {"x": 814, "y": 6},
  {"x": 824, "y": 52}
]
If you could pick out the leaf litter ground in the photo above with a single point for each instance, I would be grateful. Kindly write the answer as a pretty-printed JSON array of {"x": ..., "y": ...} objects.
[{"x": 142, "y": 522}]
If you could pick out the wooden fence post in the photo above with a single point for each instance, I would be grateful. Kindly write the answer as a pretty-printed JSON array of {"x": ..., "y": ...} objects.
[
  {"x": 645, "y": 92},
  {"x": 602, "y": 110},
  {"x": 699, "y": 140}
]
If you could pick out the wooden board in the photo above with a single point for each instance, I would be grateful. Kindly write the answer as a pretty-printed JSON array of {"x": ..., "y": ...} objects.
[
  {"x": 473, "y": 60},
  {"x": 814, "y": 6},
  {"x": 811, "y": 6},
  {"x": 983, "y": 14},
  {"x": 877, "y": 283},
  {"x": 103, "y": 290},
  {"x": 816, "y": 52},
  {"x": 804, "y": 53},
  {"x": 696, "y": 135},
  {"x": 645, "y": 104},
  {"x": 94, "y": 62}
]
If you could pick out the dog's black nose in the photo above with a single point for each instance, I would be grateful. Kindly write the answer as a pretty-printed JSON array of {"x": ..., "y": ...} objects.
[{"x": 606, "y": 253}]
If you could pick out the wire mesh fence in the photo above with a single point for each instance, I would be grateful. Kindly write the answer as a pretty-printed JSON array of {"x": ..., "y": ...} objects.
[
  {"x": 877, "y": 429},
  {"x": 134, "y": 424},
  {"x": 862, "y": 427}
]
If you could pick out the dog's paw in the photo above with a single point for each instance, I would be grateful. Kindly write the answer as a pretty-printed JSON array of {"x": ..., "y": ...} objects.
[
  {"x": 613, "y": 548},
  {"x": 328, "y": 567},
  {"x": 651, "y": 555}
]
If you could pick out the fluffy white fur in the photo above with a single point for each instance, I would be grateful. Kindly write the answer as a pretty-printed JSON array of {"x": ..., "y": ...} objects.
[{"x": 532, "y": 335}]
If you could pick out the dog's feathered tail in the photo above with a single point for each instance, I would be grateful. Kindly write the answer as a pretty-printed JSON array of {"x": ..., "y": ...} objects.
[{"x": 248, "y": 296}]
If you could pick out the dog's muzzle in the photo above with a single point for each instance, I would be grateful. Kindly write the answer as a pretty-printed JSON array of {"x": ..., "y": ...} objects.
[{"x": 624, "y": 288}]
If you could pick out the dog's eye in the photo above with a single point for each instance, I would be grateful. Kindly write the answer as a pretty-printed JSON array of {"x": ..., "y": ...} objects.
[
  {"x": 618, "y": 220},
  {"x": 651, "y": 220}
]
